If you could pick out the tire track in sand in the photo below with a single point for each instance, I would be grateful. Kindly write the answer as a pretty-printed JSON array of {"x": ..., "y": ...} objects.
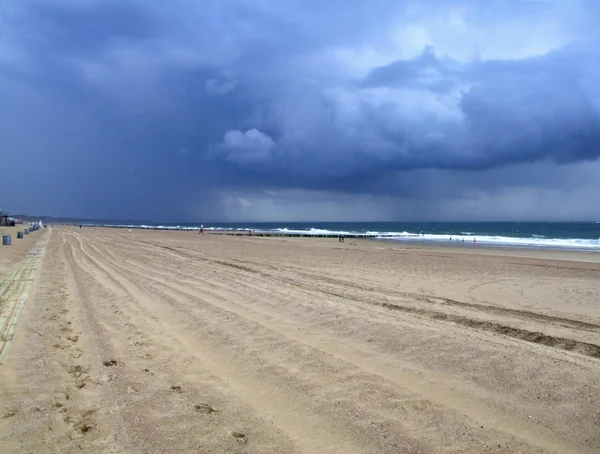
[
  {"x": 311, "y": 433},
  {"x": 155, "y": 362},
  {"x": 375, "y": 297},
  {"x": 246, "y": 265},
  {"x": 475, "y": 410}
]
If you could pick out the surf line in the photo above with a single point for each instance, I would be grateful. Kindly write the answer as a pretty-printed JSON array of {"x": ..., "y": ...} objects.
[{"x": 14, "y": 291}]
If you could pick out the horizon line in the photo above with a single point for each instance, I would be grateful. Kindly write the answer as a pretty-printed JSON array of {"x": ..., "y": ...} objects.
[{"x": 115, "y": 221}]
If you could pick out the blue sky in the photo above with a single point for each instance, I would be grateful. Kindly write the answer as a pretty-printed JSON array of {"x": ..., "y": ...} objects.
[{"x": 301, "y": 110}]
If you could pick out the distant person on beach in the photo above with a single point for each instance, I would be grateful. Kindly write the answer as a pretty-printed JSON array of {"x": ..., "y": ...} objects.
[{"x": 201, "y": 229}]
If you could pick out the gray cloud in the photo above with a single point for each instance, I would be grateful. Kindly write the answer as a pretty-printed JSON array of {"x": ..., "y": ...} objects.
[
  {"x": 219, "y": 87},
  {"x": 155, "y": 110},
  {"x": 429, "y": 113}
]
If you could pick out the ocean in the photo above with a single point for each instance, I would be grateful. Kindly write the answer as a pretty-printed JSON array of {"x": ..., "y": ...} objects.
[{"x": 546, "y": 235}]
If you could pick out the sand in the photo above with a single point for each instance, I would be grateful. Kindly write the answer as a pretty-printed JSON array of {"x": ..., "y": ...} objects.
[
  {"x": 162, "y": 342},
  {"x": 19, "y": 248}
]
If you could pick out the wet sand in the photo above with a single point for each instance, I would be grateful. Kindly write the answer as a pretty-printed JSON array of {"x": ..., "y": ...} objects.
[{"x": 178, "y": 342}]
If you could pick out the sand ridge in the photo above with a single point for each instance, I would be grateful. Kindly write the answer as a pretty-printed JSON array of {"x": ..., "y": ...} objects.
[{"x": 178, "y": 342}]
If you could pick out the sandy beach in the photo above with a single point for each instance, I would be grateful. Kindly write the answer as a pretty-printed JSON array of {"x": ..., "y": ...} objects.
[
  {"x": 157, "y": 342},
  {"x": 9, "y": 256}
]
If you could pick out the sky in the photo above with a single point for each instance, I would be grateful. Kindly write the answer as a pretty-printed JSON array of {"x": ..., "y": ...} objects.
[{"x": 301, "y": 110}]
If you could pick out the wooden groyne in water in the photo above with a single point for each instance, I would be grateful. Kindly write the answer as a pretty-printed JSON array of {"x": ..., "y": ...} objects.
[
  {"x": 250, "y": 233},
  {"x": 293, "y": 234}
]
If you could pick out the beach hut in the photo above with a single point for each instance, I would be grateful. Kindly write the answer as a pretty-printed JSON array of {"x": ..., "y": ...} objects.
[{"x": 4, "y": 221}]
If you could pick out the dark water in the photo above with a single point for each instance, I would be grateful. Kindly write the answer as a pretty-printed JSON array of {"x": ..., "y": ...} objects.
[
  {"x": 559, "y": 230},
  {"x": 577, "y": 235}
]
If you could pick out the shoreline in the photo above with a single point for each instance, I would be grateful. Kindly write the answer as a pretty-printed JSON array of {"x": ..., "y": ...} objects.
[
  {"x": 545, "y": 254},
  {"x": 407, "y": 240},
  {"x": 493, "y": 246}
]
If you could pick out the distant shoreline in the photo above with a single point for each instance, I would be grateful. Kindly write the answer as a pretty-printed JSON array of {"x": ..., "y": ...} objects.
[{"x": 464, "y": 239}]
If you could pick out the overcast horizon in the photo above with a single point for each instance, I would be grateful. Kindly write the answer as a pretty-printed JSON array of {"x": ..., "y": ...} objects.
[
  {"x": 315, "y": 221},
  {"x": 297, "y": 110}
]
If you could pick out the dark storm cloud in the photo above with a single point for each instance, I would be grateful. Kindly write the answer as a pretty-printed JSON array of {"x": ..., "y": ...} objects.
[
  {"x": 79, "y": 28},
  {"x": 500, "y": 113},
  {"x": 152, "y": 108}
]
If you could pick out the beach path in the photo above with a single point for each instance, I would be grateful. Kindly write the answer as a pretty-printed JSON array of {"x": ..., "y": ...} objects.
[{"x": 158, "y": 342}]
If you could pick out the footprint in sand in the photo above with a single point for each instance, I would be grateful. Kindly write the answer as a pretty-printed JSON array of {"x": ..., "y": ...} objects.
[
  {"x": 176, "y": 389},
  {"x": 59, "y": 402},
  {"x": 80, "y": 427},
  {"x": 204, "y": 408},
  {"x": 9, "y": 413},
  {"x": 111, "y": 363},
  {"x": 76, "y": 370},
  {"x": 59, "y": 407},
  {"x": 240, "y": 437}
]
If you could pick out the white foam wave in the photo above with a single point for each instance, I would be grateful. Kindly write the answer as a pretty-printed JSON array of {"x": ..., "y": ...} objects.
[
  {"x": 536, "y": 242},
  {"x": 146, "y": 227},
  {"x": 313, "y": 231}
]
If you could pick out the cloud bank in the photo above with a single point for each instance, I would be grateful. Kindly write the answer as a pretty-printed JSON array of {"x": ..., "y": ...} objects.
[{"x": 301, "y": 110}]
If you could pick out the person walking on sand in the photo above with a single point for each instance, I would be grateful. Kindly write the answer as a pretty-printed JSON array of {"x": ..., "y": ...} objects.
[{"x": 201, "y": 229}]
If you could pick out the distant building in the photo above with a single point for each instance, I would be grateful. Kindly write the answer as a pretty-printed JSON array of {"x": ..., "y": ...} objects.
[{"x": 5, "y": 220}]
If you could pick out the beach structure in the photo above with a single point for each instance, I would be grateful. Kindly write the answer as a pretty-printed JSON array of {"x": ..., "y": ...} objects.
[
  {"x": 267, "y": 234},
  {"x": 4, "y": 218}
]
